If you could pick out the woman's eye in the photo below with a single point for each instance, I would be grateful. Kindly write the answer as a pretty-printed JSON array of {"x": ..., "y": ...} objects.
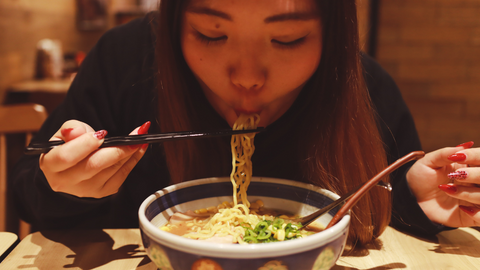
[
  {"x": 289, "y": 44},
  {"x": 208, "y": 40}
]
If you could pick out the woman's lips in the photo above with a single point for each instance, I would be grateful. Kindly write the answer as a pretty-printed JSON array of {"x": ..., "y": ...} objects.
[{"x": 245, "y": 111}]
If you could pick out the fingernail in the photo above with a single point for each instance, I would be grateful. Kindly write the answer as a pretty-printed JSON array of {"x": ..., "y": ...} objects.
[
  {"x": 66, "y": 131},
  {"x": 466, "y": 145},
  {"x": 457, "y": 175},
  {"x": 469, "y": 210},
  {"x": 450, "y": 189},
  {"x": 100, "y": 134},
  {"x": 144, "y": 128},
  {"x": 457, "y": 157},
  {"x": 134, "y": 146}
]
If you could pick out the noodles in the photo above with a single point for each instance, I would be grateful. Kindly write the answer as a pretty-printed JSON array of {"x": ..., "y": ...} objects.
[
  {"x": 240, "y": 222},
  {"x": 242, "y": 151},
  {"x": 226, "y": 222}
]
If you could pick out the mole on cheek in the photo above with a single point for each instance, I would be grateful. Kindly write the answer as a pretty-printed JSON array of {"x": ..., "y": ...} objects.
[{"x": 217, "y": 25}]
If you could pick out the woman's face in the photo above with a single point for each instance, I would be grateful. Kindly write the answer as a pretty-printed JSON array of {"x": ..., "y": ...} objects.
[{"x": 252, "y": 56}]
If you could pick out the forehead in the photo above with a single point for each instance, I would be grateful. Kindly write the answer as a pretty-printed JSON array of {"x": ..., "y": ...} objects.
[{"x": 268, "y": 6}]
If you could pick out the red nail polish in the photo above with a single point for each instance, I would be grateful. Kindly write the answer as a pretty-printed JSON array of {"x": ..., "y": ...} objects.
[
  {"x": 144, "y": 128},
  {"x": 466, "y": 145},
  {"x": 100, "y": 134},
  {"x": 457, "y": 157},
  {"x": 450, "y": 189},
  {"x": 66, "y": 131},
  {"x": 469, "y": 210}
]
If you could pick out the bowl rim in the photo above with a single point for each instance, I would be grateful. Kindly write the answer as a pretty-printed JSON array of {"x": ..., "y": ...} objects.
[{"x": 249, "y": 251}]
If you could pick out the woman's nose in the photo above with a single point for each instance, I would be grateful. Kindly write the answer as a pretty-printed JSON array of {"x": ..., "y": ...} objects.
[{"x": 248, "y": 74}]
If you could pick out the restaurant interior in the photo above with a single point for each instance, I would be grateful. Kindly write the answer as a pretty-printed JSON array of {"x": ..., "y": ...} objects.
[{"x": 431, "y": 48}]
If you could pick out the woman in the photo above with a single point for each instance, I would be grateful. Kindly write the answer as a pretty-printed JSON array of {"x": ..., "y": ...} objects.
[{"x": 197, "y": 66}]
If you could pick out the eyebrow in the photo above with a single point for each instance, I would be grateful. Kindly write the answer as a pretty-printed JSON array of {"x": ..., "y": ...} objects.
[
  {"x": 295, "y": 16},
  {"x": 209, "y": 11}
]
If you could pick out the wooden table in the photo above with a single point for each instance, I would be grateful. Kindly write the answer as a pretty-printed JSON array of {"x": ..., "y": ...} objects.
[
  {"x": 7, "y": 240},
  {"x": 122, "y": 249},
  {"x": 456, "y": 249}
]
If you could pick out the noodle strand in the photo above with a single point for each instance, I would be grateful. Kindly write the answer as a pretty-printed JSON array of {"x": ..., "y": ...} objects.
[{"x": 242, "y": 151}]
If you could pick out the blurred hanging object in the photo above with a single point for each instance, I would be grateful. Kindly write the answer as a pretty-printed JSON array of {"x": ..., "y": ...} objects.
[
  {"x": 92, "y": 15},
  {"x": 49, "y": 63}
]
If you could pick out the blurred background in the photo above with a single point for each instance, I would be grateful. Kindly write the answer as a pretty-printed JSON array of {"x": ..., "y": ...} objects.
[
  {"x": 31, "y": 30},
  {"x": 432, "y": 50},
  {"x": 42, "y": 44}
]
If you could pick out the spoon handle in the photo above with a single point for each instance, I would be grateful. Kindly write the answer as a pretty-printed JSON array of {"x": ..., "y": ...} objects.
[
  {"x": 372, "y": 182},
  {"x": 306, "y": 220}
]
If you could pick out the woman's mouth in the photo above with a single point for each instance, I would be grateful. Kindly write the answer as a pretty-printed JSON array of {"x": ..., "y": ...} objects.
[{"x": 245, "y": 111}]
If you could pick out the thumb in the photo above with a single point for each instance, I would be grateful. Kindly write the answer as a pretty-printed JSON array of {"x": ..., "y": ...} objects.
[{"x": 71, "y": 129}]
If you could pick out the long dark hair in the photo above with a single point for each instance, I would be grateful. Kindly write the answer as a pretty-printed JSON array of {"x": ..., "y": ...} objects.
[{"x": 338, "y": 153}]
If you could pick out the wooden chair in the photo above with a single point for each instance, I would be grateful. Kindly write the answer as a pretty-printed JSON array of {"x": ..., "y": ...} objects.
[{"x": 21, "y": 118}]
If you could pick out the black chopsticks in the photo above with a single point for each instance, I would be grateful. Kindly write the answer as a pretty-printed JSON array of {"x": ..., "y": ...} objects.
[{"x": 39, "y": 148}]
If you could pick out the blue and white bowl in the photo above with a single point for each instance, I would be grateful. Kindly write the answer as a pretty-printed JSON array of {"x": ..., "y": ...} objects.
[{"x": 172, "y": 252}]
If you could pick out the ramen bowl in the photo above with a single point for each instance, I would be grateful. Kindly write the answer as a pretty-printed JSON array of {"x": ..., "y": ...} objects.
[{"x": 172, "y": 252}]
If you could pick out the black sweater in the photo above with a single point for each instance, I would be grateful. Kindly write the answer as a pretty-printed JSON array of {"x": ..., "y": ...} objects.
[{"x": 114, "y": 90}]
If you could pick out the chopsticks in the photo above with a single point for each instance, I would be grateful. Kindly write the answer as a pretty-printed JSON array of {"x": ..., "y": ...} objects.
[{"x": 40, "y": 148}]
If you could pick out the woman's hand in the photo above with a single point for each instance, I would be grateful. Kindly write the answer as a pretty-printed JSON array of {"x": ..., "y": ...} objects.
[
  {"x": 446, "y": 184},
  {"x": 80, "y": 168}
]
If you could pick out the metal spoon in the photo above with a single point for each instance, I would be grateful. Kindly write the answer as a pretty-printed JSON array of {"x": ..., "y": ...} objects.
[{"x": 313, "y": 216}]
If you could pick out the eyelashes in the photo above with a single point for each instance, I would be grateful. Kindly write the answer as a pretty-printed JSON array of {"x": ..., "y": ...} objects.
[
  {"x": 284, "y": 45},
  {"x": 291, "y": 44},
  {"x": 209, "y": 40}
]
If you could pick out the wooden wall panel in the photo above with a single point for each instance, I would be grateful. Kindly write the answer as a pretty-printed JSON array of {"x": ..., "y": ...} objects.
[{"x": 432, "y": 50}]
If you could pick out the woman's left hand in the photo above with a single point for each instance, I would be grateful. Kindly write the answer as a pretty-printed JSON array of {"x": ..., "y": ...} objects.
[{"x": 446, "y": 184}]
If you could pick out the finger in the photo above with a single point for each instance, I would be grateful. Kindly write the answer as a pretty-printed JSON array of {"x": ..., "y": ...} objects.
[
  {"x": 65, "y": 156},
  {"x": 445, "y": 156},
  {"x": 143, "y": 129},
  {"x": 93, "y": 187},
  {"x": 114, "y": 183},
  {"x": 122, "y": 169},
  {"x": 102, "y": 159},
  {"x": 469, "y": 194},
  {"x": 71, "y": 130},
  {"x": 471, "y": 157},
  {"x": 108, "y": 181},
  {"x": 466, "y": 145},
  {"x": 82, "y": 186},
  {"x": 469, "y": 175},
  {"x": 473, "y": 212},
  {"x": 98, "y": 161},
  {"x": 440, "y": 158}
]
